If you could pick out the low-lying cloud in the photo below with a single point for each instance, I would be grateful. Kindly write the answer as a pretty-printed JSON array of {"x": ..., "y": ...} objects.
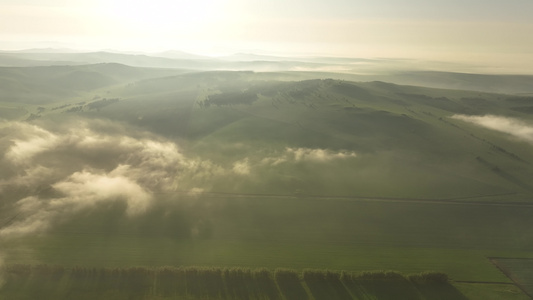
[
  {"x": 32, "y": 140},
  {"x": 308, "y": 154},
  {"x": 318, "y": 154},
  {"x": 80, "y": 191},
  {"x": 57, "y": 173},
  {"x": 515, "y": 127},
  {"x": 86, "y": 166},
  {"x": 242, "y": 167}
]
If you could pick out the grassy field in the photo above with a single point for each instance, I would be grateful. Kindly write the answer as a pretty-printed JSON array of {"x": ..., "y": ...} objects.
[
  {"x": 519, "y": 270},
  {"x": 298, "y": 233},
  {"x": 158, "y": 168}
]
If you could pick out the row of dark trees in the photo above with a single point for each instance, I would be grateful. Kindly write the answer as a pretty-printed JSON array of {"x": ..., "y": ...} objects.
[
  {"x": 201, "y": 283},
  {"x": 229, "y": 98}
]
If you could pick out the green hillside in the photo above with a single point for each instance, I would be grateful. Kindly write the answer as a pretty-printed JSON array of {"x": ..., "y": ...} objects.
[
  {"x": 111, "y": 166},
  {"x": 402, "y": 137},
  {"x": 45, "y": 84}
]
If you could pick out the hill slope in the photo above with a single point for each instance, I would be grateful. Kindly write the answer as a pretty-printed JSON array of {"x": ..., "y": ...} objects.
[{"x": 317, "y": 137}]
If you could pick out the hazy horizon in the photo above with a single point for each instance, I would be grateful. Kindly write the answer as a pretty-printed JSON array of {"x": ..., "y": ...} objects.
[
  {"x": 490, "y": 33},
  {"x": 315, "y": 150}
]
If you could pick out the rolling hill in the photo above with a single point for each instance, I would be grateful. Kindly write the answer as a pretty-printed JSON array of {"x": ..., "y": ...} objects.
[{"x": 113, "y": 166}]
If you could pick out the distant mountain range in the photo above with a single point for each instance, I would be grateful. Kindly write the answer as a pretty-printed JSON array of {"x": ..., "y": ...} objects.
[{"x": 357, "y": 69}]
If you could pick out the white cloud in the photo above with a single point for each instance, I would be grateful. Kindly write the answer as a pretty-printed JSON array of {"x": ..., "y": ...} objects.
[
  {"x": 515, "y": 127},
  {"x": 88, "y": 165},
  {"x": 63, "y": 173},
  {"x": 318, "y": 154},
  {"x": 85, "y": 189},
  {"x": 308, "y": 154},
  {"x": 153, "y": 163},
  {"x": 242, "y": 167},
  {"x": 80, "y": 191},
  {"x": 33, "y": 141}
]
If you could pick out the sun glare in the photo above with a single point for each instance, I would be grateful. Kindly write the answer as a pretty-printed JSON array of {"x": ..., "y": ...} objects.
[{"x": 179, "y": 17}]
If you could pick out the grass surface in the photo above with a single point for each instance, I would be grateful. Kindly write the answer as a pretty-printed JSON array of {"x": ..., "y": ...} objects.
[
  {"x": 323, "y": 174},
  {"x": 482, "y": 291},
  {"x": 354, "y": 235},
  {"x": 520, "y": 270}
]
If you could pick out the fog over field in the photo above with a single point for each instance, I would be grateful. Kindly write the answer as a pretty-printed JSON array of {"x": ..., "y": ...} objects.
[
  {"x": 266, "y": 150},
  {"x": 517, "y": 128},
  {"x": 86, "y": 163},
  {"x": 152, "y": 167}
]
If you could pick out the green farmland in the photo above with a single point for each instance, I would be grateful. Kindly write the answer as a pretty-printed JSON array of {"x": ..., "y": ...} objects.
[
  {"x": 300, "y": 233},
  {"x": 519, "y": 270},
  {"x": 162, "y": 170}
]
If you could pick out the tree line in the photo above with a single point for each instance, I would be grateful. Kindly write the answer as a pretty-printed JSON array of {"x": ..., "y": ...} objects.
[{"x": 58, "y": 282}]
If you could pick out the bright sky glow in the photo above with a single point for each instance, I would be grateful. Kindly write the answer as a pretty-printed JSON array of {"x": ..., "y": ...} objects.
[{"x": 454, "y": 30}]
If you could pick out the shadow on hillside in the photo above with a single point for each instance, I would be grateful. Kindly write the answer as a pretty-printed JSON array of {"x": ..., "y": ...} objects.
[
  {"x": 265, "y": 286},
  {"x": 328, "y": 289},
  {"x": 290, "y": 285},
  {"x": 439, "y": 291},
  {"x": 137, "y": 283},
  {"x": 382, "y": 289}
]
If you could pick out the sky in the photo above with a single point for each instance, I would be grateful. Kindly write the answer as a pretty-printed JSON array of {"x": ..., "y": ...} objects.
[{"x": 456, "y": 30}]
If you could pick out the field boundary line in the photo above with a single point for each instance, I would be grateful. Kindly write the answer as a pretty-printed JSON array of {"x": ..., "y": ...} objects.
[
  {"x": 363, "y": 198},
  {"x": 508, "y": 273},
  {"x": 484, "y": 282},
  {"x": 501, "y": 257}
]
